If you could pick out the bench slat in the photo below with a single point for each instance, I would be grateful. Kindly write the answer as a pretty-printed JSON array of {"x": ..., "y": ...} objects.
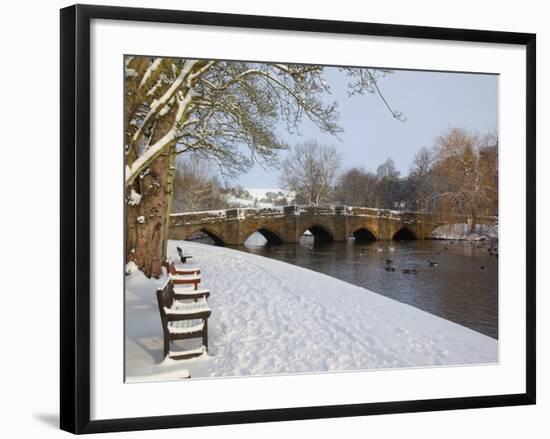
[
  {"x": 190, "y": 326},
  {"x": 181, "y": 308},
  {"x": 183, "y": 291},
  {"x": 189, "y": 353},
  {"x": 186, "y": 277}
]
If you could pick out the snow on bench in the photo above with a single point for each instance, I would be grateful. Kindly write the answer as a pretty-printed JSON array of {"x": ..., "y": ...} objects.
[
  {"x": 183, "y": 256},
  {"x": 188, "y": 353},
  {"x": 183, "y": 319},
  {"x": 179, "y": 276},
  {"x": 185, "y": 326},
  {"x": 185, "y": 279},
  {"x": 186, "y": 308},
  {"x": 187, "y": 270},
  {"x": 190, "y": 293},
  {"x": 174, "y": 268}
]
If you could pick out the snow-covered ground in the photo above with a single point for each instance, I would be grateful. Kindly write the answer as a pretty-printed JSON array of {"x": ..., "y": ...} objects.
[
  {"x": 258, "y": 197},
  {"x": 259, "y": 193},
  {"x": 247, "y": 202},
  {"x": 464, "y": 232},
  {"x": 270, "y": 317}
]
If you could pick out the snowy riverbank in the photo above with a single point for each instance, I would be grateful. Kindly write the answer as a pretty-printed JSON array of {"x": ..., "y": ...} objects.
[
  {"x": 269, "y": 317},
  {"x": 463, "y": 232}
]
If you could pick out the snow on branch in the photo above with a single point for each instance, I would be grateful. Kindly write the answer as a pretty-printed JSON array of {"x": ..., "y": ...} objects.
[
  {"x": 154, "y": 66},
  {"x": 182, "y": 87},
  {"x": 139, "y": 165},
  {"x": 225, "y": 104},
  {"x": 158, "y": 104}
]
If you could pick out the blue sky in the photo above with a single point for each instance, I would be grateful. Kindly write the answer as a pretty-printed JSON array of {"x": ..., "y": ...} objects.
[{"x": 432, "y": 102}]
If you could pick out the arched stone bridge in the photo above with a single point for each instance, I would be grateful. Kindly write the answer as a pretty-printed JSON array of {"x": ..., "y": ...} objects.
[{"x": 287, "y": 224}]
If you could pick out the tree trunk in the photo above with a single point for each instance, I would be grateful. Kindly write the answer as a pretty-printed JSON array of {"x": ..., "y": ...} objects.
[{"x": 147, "y": 222}]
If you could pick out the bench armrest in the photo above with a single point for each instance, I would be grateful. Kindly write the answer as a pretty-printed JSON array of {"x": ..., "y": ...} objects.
[
  {"x": 187, "y": 271},
  {"x": 185, "y": 279},
  {"x": 192, "y": 295},
  {"x": 189, "y": 315},
  {"x": 185, "y": 309}
]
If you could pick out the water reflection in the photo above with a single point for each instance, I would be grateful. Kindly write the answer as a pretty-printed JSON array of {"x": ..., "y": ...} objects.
[{"x": 462, "y": 287}]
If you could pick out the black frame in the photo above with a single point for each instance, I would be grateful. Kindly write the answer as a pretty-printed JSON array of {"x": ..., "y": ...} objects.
[{"x": 75, "y": 217}]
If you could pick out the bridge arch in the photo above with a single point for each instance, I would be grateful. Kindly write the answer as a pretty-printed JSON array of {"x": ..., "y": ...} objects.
[
  {"x": 405, "y": 233},
  {"x": 269, "y": 234},
  {"x": 210, "y": 233},
  {"x": 364, "y": 234},
  {"x": 321, "y": 234}
]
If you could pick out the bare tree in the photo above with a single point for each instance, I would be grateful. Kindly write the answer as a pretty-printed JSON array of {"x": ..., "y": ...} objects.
[
  {"x": 422, "y": 162},
  {"x": 417, "y": 188},
  {"x": 310, "y": 171},
  {"x": 197, "y": 186},
  {"x": 459, "y": 177},
  {"x": 225, "y": 110},
  {"x": 356, "y": 187},
  {"x": 388, "y": 190},
  {"x": 488, "y": 164}
]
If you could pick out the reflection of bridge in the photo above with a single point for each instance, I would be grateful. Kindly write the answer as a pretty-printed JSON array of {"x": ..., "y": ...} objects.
[{"x": 287, "y": 224}]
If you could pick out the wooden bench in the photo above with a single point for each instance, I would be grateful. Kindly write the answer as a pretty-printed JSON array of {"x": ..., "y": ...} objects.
[
  {"x": 183, "y": 257},
  {"x": 185, "y": 279},
  {"x": 183, "y": 293},
  {"x": 183, "y": 319},
  {"x": 182, "y": 276},
  {"x": 172, "y": 268}
]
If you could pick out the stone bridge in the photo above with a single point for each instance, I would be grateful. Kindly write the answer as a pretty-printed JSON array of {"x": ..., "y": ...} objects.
[{"x": 327, "y": 224}]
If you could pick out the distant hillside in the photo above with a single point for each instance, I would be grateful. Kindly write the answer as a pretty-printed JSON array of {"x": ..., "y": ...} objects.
[{"x": 261, "y": 197}]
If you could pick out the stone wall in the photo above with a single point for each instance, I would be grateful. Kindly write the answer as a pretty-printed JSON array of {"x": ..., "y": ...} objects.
[{"x": 287, "y": 224}]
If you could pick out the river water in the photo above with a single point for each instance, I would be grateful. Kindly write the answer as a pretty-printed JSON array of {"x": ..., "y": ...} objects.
[{"x": 463, "y": 287}]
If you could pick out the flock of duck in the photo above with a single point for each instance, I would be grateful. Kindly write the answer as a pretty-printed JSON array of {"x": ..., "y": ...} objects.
[
  {"x": 389, "y": 267},
  {"x": 492, "y": 250}
]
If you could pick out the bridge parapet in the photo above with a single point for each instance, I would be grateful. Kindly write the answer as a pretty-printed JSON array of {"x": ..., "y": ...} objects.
[
  {"x": 321, "y": 210},
  {"x": 234, "y": 214},
  {"x": 178, "y": 219},
  {"x": 288, "y": 223},
  {"x": 265, "y": 212},
  {"x": 363, "y": 211}
]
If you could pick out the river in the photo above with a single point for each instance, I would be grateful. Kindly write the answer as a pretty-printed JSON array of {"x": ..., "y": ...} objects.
[{"x": 462, "y": 287}]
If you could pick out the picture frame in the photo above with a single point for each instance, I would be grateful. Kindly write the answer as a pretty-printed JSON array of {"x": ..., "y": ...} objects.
[{"x": 77, "y": 388}]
